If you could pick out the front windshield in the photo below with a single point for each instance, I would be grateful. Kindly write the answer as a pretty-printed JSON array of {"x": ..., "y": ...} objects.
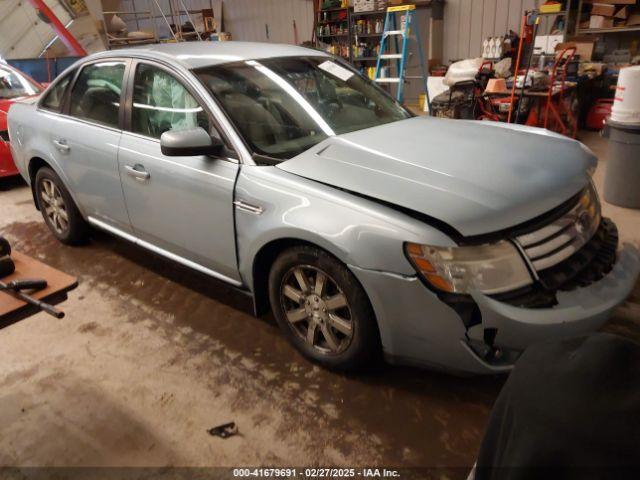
[
  {"x": 14, "y": 85},
  {"x": 283, "y": 106}
]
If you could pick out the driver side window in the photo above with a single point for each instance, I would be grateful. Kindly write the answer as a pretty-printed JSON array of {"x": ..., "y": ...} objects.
[{"x": 161, "y": 103}]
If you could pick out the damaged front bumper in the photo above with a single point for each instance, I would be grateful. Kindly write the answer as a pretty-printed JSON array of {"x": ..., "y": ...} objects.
[{"x": 417, "y": 328}]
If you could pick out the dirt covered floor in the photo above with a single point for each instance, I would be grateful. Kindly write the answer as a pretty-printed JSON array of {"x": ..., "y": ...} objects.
[{"x": 151, "y": 355}]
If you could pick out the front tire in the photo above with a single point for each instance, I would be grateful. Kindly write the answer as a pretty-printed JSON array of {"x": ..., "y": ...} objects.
[
  {"x": 58, "y": 209},
  {"x": 322, "y": 309}
]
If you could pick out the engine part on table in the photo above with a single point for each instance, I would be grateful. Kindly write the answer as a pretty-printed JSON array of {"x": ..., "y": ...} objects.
[
  {"x": 535, "y": 80},
  {"x": 5, "y": 247},
  {"x": 45, "y": 307},
  {"x": 458, "y": 102},
  {"x": 225, "y": 430},
  {"x": 7, "y": 267},
  {"x": 598, "y": 113}
]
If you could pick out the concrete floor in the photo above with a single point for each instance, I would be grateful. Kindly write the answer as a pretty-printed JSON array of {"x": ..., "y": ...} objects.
[{"x": 151, "y": 355}]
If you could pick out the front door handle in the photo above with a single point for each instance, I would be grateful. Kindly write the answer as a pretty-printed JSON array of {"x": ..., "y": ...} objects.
[
  {"x": 62, "y": 145},
  {"x": 137, "y": 171}
]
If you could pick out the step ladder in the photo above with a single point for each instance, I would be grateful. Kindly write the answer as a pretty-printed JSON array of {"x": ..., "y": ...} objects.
[{"x": 391, "y": 31}]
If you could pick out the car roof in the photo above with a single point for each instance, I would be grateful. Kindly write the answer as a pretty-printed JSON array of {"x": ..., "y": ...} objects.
[{"x": 204, "y": 54}]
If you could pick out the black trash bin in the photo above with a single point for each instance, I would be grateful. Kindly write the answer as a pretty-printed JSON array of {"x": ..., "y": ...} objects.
[{"x": 622, "y": 176}]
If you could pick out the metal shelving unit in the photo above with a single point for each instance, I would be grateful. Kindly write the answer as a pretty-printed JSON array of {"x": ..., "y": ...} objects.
[
  {"x": 566, "y": 13},
  {"x": 147, "y": 15},
  {"x": 371, "y": 38},
  {"x": 336, "y": 37},
  {"x": 595, "y": 31}
]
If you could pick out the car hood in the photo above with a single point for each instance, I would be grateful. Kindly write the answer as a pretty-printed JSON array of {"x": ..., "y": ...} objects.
[{"x": 477, "y": 177}]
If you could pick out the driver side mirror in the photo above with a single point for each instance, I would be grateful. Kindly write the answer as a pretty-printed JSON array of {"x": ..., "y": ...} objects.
[{"x": 189, "y": 143}]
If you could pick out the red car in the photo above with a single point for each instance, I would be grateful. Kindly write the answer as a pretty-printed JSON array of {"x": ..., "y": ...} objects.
[{"x": 14, "y": 85}]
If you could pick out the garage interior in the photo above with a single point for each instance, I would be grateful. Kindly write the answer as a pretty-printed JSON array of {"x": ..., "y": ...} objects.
[{"x": 151, "y": 354}]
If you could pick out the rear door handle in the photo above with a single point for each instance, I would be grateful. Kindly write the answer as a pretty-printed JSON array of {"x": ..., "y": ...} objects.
[
  {"x": 62, "y": 145},
  {"x": 137, "y": 171}
]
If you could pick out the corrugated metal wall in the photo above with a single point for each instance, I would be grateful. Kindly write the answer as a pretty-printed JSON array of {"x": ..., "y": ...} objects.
[
  {"x": 468, "y": 22},
  {"x": 250, "y": 20},
  {"x": 22, "y": 33},
  {"x": 269, "y": 20}
]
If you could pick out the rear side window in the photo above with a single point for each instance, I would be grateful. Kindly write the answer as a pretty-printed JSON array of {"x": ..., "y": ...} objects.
[
  {"x": 96, "y": 94},
  {"x": 161, "y": 103},
  {"x": 53, "y": 100}
]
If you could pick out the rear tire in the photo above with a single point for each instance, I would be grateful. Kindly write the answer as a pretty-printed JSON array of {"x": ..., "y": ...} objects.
[
  {"x": 58, "y": 209},
  {"x": 323, "y": 310}
]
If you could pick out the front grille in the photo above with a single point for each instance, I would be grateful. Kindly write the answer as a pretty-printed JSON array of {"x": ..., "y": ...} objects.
[
  {"x": 4, "y": 135},
  {"x": 573, "y": 249},
  {"x": 588, "y": 265},
  {"x": 592, "y": 262},
  {"x": 553, "y": 243}
]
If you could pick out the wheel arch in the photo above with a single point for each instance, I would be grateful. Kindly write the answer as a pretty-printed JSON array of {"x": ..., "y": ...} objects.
[
  {"x": 263, "y": 261},
  {"x": 36, "y": 163}
]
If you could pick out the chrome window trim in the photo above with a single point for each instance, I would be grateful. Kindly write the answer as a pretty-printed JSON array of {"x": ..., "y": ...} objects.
[
  {"x": 165, "y": 253},
  {"x": 80, "y": 120}
]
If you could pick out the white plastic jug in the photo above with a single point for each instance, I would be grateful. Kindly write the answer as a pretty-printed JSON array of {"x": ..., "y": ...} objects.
[{"x": 626, "y": 105}]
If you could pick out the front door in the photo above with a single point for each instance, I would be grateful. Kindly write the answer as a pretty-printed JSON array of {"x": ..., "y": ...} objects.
[{"x": 183, "y": 205}]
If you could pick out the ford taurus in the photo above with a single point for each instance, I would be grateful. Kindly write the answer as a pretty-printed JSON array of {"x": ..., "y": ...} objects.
[{"x": 365, "y": 229}]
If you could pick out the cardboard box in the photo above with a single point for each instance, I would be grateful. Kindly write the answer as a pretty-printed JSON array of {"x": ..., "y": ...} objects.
[
  {"x": 369, "y": 5},
  {"x": 584, "y": 47},
  {"x": 598, "y": 21},
  {"x": 603, "y": 9},
  {"x": 622, "y": 14},
  {"x": 634, "y": 20}
]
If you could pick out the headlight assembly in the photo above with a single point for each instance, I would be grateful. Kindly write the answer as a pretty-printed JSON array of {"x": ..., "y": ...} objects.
[{"x": 490, "y": 268}]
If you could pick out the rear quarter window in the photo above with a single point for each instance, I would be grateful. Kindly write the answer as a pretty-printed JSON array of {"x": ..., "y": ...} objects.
[
  {"x": 96, "y": 93},
  {"x": 54, "y": 97}
]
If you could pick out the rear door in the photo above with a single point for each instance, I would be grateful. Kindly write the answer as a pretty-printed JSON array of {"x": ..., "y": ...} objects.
[
  {"x": 85, "y": 140},
  {"x": 182, "y": 205}
]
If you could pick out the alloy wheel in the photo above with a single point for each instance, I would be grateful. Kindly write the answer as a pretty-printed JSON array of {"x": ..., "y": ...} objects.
[
  {"x": 54, "y": 206},
  {"x": 316, "y": 308}
]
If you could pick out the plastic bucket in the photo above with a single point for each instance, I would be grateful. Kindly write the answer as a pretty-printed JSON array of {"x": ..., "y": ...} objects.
[
  {"x": 626, "y": 105},
  {"x": 622, "y": 176}
]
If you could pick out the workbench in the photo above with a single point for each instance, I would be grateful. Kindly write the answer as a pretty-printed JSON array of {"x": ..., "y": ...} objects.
[{"x": 59, "y": 284}]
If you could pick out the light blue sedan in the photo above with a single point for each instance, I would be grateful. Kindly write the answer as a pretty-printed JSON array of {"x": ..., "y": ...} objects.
[{"x": 365, "y": 229}]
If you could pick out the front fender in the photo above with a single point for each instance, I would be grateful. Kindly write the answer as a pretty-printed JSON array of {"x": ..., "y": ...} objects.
[{"x": 356, "y": 230}]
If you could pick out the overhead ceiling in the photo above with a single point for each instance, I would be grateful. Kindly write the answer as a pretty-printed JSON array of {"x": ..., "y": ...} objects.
[{"x": 24, "y": 34}]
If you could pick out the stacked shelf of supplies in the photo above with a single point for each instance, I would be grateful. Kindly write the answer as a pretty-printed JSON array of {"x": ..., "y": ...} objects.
[
  {"x": 332, "y": 32},
  {"x": 366, "y": 33}
]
